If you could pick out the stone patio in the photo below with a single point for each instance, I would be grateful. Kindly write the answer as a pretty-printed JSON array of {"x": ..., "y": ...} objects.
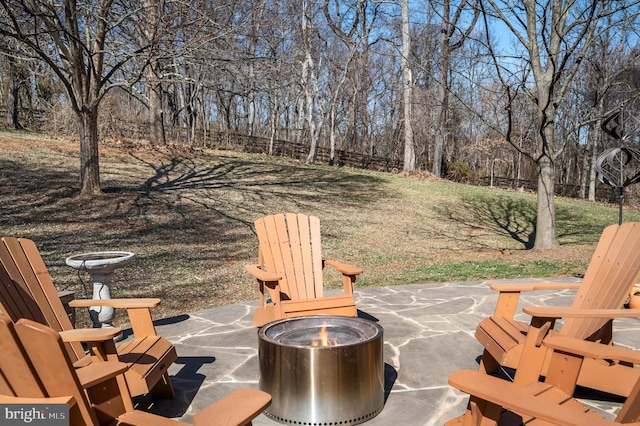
[{"x": 428, "y": 334}]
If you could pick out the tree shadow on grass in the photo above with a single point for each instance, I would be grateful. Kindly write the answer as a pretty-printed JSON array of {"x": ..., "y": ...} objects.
[
  {"x": 177, "y": 193},
  {"x": 514, "y": 217},
  {"x": 188, "y": 217},
  {"x": 494, "y": 215},
  {"x": 256, "y": 178}
]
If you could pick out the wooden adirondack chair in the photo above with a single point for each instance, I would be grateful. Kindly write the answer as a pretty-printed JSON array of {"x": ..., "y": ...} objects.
[
  {"x": 613, "y": 270},
  {"x": 27, "y": 291},
  {"x": 496, "y": 401},
  {"x": 36, "y": 369},
  {"x": 290, "y": 271}
]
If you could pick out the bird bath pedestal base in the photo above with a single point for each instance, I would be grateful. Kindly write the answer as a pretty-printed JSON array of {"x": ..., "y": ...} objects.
[{"x": 100, "y": 266}]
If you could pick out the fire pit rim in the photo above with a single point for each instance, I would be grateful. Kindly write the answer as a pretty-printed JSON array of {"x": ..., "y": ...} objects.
[{"x": 377, "y": 329}]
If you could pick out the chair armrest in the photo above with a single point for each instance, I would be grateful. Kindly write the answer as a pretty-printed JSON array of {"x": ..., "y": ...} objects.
[
  {"x": 518, "y": 287},
  {"x": 143, "y": 418},
  {"x": 98, "y": 372},
  {"x": 343, "y": 268},
  {"x": 90, "y": 334},
  {"x": 7, "y": 399},
  {"x": 138, "y": 310},
  {"x": 568, "y": 312},
  {"x": 116, "y": 303},
  {"x": 239, "y": 407},
  {"x": 591, "y": 349},
  {"x": 510, "y": 294},
  {"x": 349, "y": 274},
  {"x": 257, "y": 272},
  {"x": 519, "y": 399},
  {"x": 100, "y": 343}
]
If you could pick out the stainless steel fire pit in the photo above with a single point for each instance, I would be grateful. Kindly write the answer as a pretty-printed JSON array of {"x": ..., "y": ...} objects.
[{"x": 322, "y": 370}]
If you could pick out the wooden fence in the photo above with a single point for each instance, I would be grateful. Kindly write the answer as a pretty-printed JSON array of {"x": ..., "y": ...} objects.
[
  {"x": 604, "y": 192},
  {"x": 261, "y": 145}
]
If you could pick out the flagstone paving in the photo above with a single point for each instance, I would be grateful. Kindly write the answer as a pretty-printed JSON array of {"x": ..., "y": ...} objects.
[{"x": 428, "y": 334}]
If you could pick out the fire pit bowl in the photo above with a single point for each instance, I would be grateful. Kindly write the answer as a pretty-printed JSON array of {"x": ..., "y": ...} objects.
[{"x": 322, "y": 370}]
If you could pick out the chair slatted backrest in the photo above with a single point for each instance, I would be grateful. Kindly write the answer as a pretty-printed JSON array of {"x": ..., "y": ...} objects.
[
  {"x": 614, "y": 269},
  {"x": 35, "y": 364},
  {"x": 15, "y": 296},
  {"x": 290, "y": 245},
  {"x": 16, "y": 376},
  {"x": 27, "y": 290}
]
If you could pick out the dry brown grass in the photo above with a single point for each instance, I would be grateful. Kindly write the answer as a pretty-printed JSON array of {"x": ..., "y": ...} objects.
[{"x": 187, "y": 214}]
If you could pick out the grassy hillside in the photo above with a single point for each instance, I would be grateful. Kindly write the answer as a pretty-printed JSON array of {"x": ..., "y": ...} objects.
[{"x": 187, "y": 214}]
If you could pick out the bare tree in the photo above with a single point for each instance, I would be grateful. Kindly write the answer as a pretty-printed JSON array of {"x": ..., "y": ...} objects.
[
  {"x": 82, "y": 44},
  {"x": 450, "y": 26},
  {"x": 339, "y": 69},
  {"x": 554, "y": 35},
  {"x": 353, "y": 22}
]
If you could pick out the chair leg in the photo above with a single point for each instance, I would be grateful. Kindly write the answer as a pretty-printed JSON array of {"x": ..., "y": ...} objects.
[
  {"x": 482, "y": 413},
  {"x": 163, "y": 389},
  {"x": 488, "y": 364},
  {"x": 478, "y": 413}
]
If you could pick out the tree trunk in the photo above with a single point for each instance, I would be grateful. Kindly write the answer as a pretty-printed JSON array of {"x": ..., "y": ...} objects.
[
  {"x": 152, "y": 30},
  {"x": 545, "y": 231},
  {"x": 592, "y": 169},
  {"x": 13, "y": 96},
  {"x": 89, "y": 156},
  {"x": 407, "y": 83},
  {"x": 310, "y": 84},
  {"x": 442, "y": 108},
  {"x": 587, "y": 154},
  {"x": 332, "y": 135},
  {"x": 595, "y": 147},
  {"x": 251, "y": 107},
  {"x": 314, "y": 131},
  {"x": 273, "y": 122},
  {"x": 156, "y": 115}
]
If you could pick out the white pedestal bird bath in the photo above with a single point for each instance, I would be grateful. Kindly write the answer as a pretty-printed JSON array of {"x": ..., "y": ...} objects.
[{"x": 101, "y": 266}]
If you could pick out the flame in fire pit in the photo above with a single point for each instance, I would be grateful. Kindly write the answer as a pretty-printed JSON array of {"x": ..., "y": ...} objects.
[{"x": 323, "y": 338}]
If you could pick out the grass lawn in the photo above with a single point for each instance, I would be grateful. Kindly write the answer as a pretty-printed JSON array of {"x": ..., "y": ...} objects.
[{"x": 187, "y": 215}]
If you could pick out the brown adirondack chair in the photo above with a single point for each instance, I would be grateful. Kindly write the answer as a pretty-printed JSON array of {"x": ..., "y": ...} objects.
[
  {"x": 496, "y": 401},
  {"x": 613, "y": 270},
  {"x": 27, "y": 291},
  {"x": 36, "y": 369},
  {"x": 290, "y": 271}
]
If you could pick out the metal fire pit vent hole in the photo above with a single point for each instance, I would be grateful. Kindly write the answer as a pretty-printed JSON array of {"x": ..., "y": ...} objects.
[{"x": 334, "y": 423}]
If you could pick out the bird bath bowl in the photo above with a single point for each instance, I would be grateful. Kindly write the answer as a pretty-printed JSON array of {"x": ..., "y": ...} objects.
[
  {"x": 100, "y": 266},
  {"x": 103, "y": 262}
]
